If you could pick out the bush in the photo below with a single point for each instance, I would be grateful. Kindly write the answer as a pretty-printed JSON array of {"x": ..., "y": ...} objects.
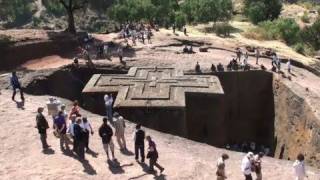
[
  {"x": 180, "y": 19},
  {"x": 305, "y": 18},
  {"x": 5, "y": 41},
  {"x": 16, "y": 12},
  {"x": 311, "y": 35},
  {"x": 256, "y": 12},
  {"x": 54, "y": 8},
  {"x": 223, "y": 29},
  {"x": 299, "y": 47}
]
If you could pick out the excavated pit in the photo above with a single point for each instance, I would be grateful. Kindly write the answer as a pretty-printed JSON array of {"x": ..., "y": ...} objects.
[{"x": 254, "y": 108}]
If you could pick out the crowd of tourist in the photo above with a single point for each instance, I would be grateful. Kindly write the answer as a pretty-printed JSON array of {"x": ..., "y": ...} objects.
[{"x": 74, "y": 129}]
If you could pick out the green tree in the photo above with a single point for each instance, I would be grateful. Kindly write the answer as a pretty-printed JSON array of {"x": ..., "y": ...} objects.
[
  {"x": 261, "y": 10},
  {"x": 16, "y": 12}
]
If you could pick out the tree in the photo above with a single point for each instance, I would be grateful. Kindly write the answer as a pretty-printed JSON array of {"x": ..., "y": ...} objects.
[
  {"x": 261, "y": 10},
  {"x": 71, "y": 6},
  {"x": 16, "y": 12}
]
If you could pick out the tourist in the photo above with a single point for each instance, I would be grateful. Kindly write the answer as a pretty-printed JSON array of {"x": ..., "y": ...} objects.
[
  {"x": 106, "y": 51},
  {"x": 257, "y": 56},
  {"x": 120, "y": 54},
  {"x": 42, "y": 126},
  {"x": 185, "y": 31},
  {"x": 246, "y": 166},
  {"x": 14, "y": 82},
  {"x": 71, "y": 130},
  {"x": 191, "y": 49},
  {"x": 174, "y": 28},
  {"x": 299, "y": 168},
  {"x": 257, "y": 165},
  {"x": 79, "y": 137},
  {"x": 86, "y": 126},
  {"x": 185, "y": 49},
  {"x": 149, "y": 37},
  {"x": 245, "y": 60},
  {"x": 197, "y": 68},
  {"x": 108, "y": 101},
  {"x": 221, "y": 174},
  {"x": 220, "y": 68},
  {"x": 120, "y": 126},
  {"x": 106, "y": 133},
  {"x": 289, "y": 66},
  {"x": 139, "y": 143},
  {"x": 60, "y": 126},
  {"x": 75, "y": 110},
  {"x": 153, "y": 156},
  {"x": 238, "y": 53},
  {"x": 213, "y": 68},
  {"x": 142, "y": 36},
  {"x": 64, "y": 111}
]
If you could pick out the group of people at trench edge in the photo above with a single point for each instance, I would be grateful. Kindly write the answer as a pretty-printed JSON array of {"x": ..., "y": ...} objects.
[
  {"x": 253, "y": 164},
  {"x": 77, "y": 132},
  {"x": 240, "y": 62}
]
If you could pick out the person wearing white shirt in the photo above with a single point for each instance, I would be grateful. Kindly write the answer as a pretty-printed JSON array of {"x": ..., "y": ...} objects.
[
  {"x": 119, "y": 126},
  {"x": 88, "y": 129},
  {"x": 289, "y": 66},
  {"x": 299, "y": 168},
  {"x": 108, "y": 100},
  {"x": 246, "y": 166}
]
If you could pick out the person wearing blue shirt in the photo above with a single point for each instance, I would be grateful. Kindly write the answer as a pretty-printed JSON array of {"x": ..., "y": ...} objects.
[{"x": 14, "y": 82}]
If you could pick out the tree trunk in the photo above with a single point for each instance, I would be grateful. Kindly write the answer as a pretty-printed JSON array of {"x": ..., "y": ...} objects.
[{"x": 71, "y": 26}]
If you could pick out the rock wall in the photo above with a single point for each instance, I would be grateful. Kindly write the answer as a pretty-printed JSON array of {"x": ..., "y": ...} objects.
[{"x": 297, "y": 123}]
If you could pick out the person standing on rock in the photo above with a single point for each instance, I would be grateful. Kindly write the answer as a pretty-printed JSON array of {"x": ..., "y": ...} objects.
[
  {"x": 120, "y": 126},
  {"x": 108, "y": 101},
  {"x": 238, "y": 53},
  {"x": 86, "y": 126},
  {"x": 153, "y": 156},
  {"x": 257, "y": 165},
  {"x": 106, "y": 133},
  {"x": 14, "y": 82},
  {"x": 79, "y": 136},
  {"x": 289, "y": 66},
  {"x": 246, "y": 166},
  {"x": 60, "y": 126},
  {"x": 120, "y": 54},
  {"x": 221, "y": 174},
  {"x": 299, "y": 168},
  {"x": 42, "y": 126},
  {"x": 139, "y": 137}
]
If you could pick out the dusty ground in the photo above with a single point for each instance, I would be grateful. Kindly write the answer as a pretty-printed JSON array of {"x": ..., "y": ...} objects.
[{"x": 21, "y": 156}]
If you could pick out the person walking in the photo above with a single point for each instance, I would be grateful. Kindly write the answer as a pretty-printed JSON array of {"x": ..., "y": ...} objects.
[
  {"x": 14, "y": 82},
  {"x": 79, "y": 136},
  {"x": 71, "y": 130},
  {"x": 246, "y": 166},
  {"x": 120, "y": 54},
  {"x": 60, "y": 126},
  {"x": 42, "y": 126},
  {"x": 257, "y": 165},
  {"x": 289, "y": 66},
  {"x": 153, "y": 156},
  {"x": 108, "y": 101},
  {"x": 257, "y": 56},
  {"x": 106, "y": 133},
  {"x": 299, "y": 168},
  {"x": 86, "y": 126},
  {"x": 221, "y": 174},
  {"x": 239, "y": 54},
  {"x": 139, "y": 137},
  {"x": 120, "y": 126}
]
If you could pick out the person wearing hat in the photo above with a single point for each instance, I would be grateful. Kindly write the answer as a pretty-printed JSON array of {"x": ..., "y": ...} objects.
[
  {"x": 246, "y": 165},
  {"x": 221, "y": 174},
  {"x": 42, "y": 126},
  {"x": 120, "y": 126},
  {"x": 87, "y": 131},
  {"x": 64, "y": 111},
  {"x": 106, "y": 133}
]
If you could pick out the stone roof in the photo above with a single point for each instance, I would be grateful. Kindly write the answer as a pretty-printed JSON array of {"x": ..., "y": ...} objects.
[{"x": 153, "y": 86}]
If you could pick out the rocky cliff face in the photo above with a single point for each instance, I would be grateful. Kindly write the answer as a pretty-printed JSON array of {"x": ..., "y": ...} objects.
[{"x": 297, "y": 122}]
